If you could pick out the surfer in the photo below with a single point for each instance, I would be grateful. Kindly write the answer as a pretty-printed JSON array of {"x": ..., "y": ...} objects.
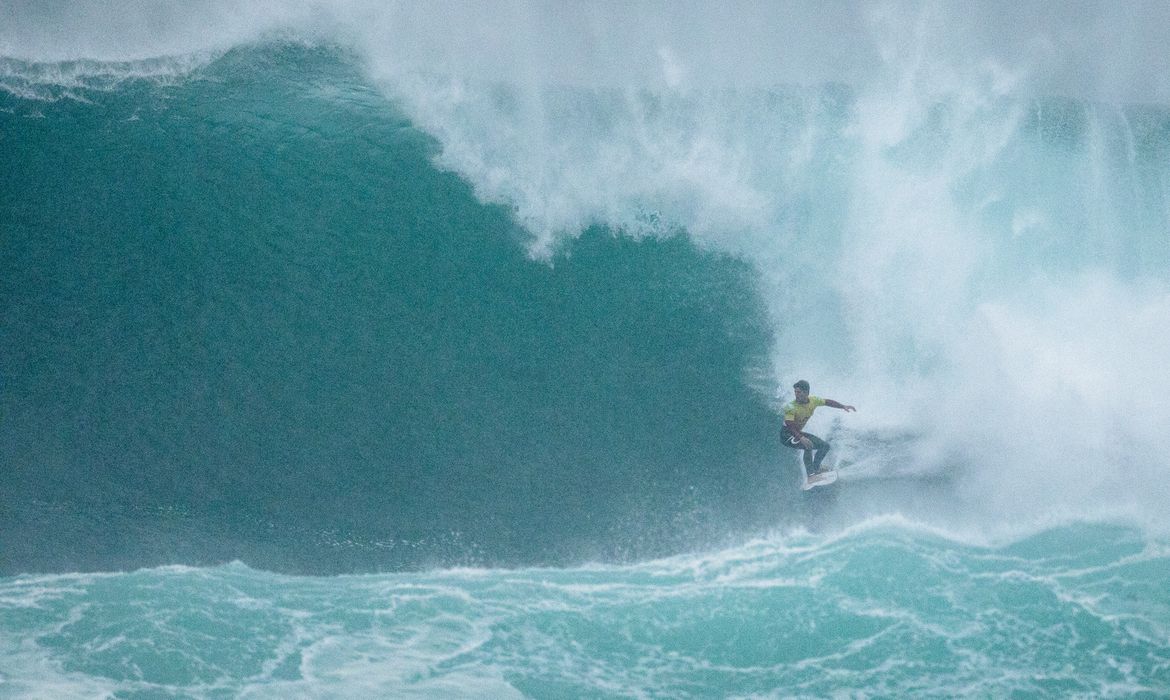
[{"x": 796, "y": 414}]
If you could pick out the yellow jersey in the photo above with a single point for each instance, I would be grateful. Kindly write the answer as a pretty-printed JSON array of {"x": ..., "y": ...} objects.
[{"x": 799, "y": 413}]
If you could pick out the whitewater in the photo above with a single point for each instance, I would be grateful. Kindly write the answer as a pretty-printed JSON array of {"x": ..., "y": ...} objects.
[{"x": 365, "y": 350}]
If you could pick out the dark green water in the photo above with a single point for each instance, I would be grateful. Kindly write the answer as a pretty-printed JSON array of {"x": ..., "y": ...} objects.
[{"x": 245, "y": 317}]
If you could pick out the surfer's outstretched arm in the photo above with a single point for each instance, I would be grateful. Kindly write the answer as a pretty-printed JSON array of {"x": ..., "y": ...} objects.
[{"x": 837, "y": 404}]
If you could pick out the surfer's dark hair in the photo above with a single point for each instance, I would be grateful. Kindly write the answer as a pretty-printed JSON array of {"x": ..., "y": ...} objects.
[{"x": 802, "y": 385}]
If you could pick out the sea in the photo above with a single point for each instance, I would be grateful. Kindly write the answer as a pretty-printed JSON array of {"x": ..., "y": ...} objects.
[{"x": 366, "y": 350}]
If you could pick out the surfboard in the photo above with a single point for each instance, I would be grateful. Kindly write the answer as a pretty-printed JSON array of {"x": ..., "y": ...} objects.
[{"x": 822, "y": 479}]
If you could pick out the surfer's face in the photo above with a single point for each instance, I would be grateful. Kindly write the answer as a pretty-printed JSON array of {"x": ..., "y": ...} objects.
[{"x": 801, "y": 395}]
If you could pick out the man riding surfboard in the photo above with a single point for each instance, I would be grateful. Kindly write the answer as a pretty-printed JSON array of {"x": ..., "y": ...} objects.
[{"x": 796, "y": 415}]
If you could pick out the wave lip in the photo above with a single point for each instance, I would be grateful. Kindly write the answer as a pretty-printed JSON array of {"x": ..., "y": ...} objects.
[{"x": 50, "y": 81}]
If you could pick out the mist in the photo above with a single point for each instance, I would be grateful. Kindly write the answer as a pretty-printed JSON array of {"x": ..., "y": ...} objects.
[{"x": 1084, "y": 48}]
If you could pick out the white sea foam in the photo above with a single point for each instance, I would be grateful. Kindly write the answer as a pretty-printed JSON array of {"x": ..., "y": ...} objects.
[{"x": 719, "y": 623}]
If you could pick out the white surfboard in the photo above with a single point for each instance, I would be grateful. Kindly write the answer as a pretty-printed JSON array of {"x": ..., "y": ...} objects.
[{"x": 822, "y": 479}]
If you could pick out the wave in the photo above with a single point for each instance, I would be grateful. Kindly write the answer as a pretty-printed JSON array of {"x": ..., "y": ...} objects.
[
  {"x": 622, "y": 280},
  {"x": 267, "y": 317}
]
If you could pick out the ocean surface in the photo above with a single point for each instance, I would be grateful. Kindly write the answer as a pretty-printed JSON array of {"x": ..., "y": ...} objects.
[{"x": 333, "y": 365}]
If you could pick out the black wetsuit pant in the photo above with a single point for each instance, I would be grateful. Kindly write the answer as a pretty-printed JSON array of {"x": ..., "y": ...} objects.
[{"x": 812, "y": 462}]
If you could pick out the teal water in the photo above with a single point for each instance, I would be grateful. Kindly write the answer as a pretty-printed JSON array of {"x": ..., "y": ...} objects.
[
  {"x": 247, "y": 306},
  {"x": 885, "y": 609},
  {"x": 325, "y": 376}
]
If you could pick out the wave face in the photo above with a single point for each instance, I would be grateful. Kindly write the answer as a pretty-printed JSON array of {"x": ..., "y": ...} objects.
[{"x": 246, "y": 317}]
